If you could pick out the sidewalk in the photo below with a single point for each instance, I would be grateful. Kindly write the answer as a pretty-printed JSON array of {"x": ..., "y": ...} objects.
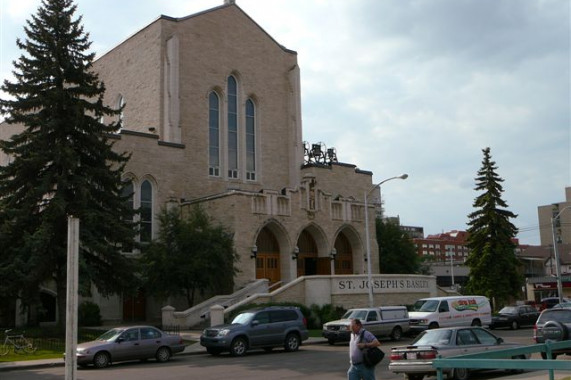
[{"x": 197, "y": 349}]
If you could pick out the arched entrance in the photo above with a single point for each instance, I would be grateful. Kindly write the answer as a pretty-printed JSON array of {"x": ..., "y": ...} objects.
[
  {"x": 344, "y": 257},
  {"x": 307, "y": 257},
  {"x": 268, "y": 256}
]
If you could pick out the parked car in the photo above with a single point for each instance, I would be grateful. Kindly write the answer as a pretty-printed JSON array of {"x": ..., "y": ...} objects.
[
  {"x": 129, "y": 343},
  {"x": 265, "y": 328},
  {"x": 549, "y": 302},
  {"x": 391, "y": 321},
  {"x": 515, "y": 317},
  {"x": 415, "y": 360},
  {"x": 562, "y": 305},
  {"x": 555, "y": 325}
]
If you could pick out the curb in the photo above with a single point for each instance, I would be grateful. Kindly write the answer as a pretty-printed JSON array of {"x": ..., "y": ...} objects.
[{"x": 192, "y": 349}]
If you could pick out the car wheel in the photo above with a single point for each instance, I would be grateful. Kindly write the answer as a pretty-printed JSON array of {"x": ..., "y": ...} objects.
[
  {"x": 461, "y": 374},
  {"x": 163, "y": 354},
  {"x": 101, "y": 360},
  {"x": 331, "y": 341},
  {"x": 433, "y": 325},
  {"x": 414, "y": 377},
  {"x": 544, "y": 356},
  {"x": 396, "y": 334},
  {"x": 514, "y": 325},
  {"x": 517, "y": 370},
  {"x": 238, "y": 347},
  {"x": 477, "y": 322},
  {"x": 292, "y": 342},
  {"x": 214, "y": 351}
]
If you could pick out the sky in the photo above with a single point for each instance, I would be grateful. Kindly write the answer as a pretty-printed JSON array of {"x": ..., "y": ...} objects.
[{"x": 405, "y": 86}]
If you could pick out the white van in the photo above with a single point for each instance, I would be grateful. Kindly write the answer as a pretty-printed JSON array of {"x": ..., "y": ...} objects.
[{"x": 435, "y": 312}]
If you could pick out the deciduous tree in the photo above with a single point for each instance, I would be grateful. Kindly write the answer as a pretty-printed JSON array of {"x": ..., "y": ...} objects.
[
  {"x": 397, "y": 253},
  {"x": 191, "y": 255}
]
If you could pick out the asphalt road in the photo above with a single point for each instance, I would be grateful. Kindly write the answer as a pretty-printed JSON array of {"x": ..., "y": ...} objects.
[{"x": 315, "y": 361}]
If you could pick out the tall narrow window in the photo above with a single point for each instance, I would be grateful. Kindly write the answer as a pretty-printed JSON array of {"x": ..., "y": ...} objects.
[
  {"x": 120, "y": 104},
  {"x": 146, "y": 211},
  {"x": 232, "y": 128},
  {"x": 214, "y": 135},
  {"x": 130, "y": 203},
  {"x": 250, "y": 141}
]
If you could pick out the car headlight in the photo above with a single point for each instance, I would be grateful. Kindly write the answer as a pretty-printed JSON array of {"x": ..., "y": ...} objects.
[
  {"x": 83, "y": 351},
  {"x": 223, "y": 332}
]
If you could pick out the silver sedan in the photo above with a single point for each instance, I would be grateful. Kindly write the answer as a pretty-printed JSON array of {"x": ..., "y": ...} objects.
[
  {"x": 415, "y": 360},
  {"x": 129, "y": 343}
]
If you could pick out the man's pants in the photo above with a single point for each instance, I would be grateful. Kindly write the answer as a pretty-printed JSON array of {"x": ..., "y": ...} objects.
[{"x": 360, "y": 372}]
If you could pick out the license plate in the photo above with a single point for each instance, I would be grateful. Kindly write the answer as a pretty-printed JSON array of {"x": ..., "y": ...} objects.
[{"x": 411, "y": 356}]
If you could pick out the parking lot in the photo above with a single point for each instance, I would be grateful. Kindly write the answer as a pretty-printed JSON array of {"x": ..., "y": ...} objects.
[{"x": 317, "y": 360}]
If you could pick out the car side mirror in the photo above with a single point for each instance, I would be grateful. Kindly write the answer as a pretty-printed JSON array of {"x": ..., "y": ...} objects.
[
  {"x": 120, "y": 339},
  {"x": 500, "y": 340},
  {"x": 255, "y": 323}
]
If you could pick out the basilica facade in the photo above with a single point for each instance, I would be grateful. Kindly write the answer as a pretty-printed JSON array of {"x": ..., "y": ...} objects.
[{"x": 212, "y": 116}]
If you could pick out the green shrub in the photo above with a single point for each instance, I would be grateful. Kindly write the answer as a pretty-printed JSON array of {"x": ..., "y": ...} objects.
[{"x": 89, "y": 314}]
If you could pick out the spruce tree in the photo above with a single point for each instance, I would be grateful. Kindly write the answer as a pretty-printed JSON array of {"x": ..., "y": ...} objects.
[
  {"x": 492, "y": 261},
  {"x": 61, "y": 164}
]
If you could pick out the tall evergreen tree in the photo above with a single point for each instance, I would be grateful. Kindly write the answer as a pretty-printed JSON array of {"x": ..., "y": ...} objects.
[
  {"x": 492, "y": 261},
  {"x": 62, "y": 164}
]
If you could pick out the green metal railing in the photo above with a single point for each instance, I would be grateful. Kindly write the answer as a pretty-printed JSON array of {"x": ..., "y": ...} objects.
[{"x": 502, "y": 359}]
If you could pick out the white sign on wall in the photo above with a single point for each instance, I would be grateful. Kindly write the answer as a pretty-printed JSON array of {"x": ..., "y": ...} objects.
[{"x": 394, "y": 285}]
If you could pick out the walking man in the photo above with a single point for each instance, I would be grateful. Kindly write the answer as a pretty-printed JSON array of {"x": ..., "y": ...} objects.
[{"x": 360, "y": 338}]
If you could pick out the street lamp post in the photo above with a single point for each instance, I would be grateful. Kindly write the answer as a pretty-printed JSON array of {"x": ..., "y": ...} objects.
[
  {"x": 369, "y": 273},
  {"x": 556, "y": 253}
]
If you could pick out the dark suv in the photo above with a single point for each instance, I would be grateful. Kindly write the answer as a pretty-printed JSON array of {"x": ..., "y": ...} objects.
[
  {"x": 258, "y": 328},
  {"x": 554, "y": 325}
]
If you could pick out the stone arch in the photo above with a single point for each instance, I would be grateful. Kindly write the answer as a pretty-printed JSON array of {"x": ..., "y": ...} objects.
[
  {"x": 272, "y": 244},
  {"x": 349, "y": 249},
  {"x": 312, "y": 251}
]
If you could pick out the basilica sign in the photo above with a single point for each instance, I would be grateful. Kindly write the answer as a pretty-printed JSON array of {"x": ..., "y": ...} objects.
[{"x": 380, "y": 283}]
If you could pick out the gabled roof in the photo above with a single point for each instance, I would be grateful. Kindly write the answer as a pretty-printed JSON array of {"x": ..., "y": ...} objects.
[{"x": 198, "y": 14}]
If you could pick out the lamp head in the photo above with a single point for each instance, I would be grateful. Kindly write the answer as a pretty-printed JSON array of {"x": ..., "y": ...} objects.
[{"x": 295, "y": 253}]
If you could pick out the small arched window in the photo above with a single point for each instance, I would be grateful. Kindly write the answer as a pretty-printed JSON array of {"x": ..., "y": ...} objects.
[
  {"x": 146, "y": 209},
  {"x": 250, "y": 141},
  {"x": 232, "y": 128},
  {"x": 214, "y": 135}
]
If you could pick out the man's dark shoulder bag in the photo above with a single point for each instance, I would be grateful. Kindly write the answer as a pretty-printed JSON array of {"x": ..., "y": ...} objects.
[{"x": 371, "y": 355}]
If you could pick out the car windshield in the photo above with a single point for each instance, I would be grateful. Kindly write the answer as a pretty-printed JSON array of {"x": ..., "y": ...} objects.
[
  {"x": 355, "y": 314},
  {"x": 243, "y": 318},
  {"x": 418, "y": 304},
  {"x": 429, "y": 306},
  {"x": 508, "y": 310},
  {"x": 437, "y": 337},
  {"x": 561, "y": 315},
  {"x": 110, "y": 335}
]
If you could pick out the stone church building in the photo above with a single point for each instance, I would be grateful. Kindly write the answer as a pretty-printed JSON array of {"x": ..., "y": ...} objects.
[{"x": 213, "y": 117}]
